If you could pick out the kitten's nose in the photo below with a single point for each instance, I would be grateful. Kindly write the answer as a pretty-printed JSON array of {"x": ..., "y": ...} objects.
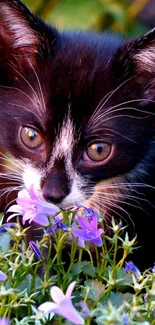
[{"x": 55, "y": 187}]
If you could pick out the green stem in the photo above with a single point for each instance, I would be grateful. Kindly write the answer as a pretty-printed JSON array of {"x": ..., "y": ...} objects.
[{"x": 80, "y": 255}]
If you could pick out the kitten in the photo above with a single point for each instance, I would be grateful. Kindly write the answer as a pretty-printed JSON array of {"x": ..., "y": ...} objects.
[{"x": 77, "y": 112}]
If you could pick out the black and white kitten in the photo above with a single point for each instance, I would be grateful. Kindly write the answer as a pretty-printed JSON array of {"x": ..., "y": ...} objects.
[{"x": 77, "y": 111}]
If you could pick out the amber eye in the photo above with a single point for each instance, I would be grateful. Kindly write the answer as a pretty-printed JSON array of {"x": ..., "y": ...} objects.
[
  {"x": 98, "y": 151},
  {"x": 30, "y": 137}
]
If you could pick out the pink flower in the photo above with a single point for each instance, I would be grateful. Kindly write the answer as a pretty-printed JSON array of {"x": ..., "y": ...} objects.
[
  {"x": 89, "y": 231},
  {"x": 32, "y": 207},
  {"x": 4, "y": 321},
  {"x": 62, "y": 305}
]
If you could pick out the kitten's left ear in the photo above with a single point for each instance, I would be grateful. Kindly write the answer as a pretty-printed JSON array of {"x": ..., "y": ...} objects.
[
  {"x": 138, "y": 56},
  {"x": 21, "y": 32}
]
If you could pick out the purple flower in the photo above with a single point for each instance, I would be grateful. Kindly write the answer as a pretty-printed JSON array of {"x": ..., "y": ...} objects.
[
  {"x": 57, "y": 224},
  {"x": 89, "y": 212},
  {"x": 4, "y": 321},
  {"x": 125, "y": 320},
  {"x": 153, "y": 269},
  {"x": 32, "y": 207},
  {"x": 49, "y": 231},
  {"x": 62, "y": 305},
  {"x": 6, "y": 226},
  {"x": 131, "y": 267},
  {"x": 3, "y": 276},
  {"x": 35, "y": 249},
  {"x": 85, "y": 310},
  {"x": 89, "y": 232}
]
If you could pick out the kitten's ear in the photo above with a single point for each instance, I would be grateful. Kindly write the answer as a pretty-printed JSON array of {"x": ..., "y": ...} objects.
[
  {"x": 21, "y": 32},
  {"x": 138, "y": 55}
]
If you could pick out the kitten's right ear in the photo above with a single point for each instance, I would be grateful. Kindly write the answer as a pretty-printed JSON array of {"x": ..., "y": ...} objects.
[
  {"x": 22, "y": 33},
  {"x": 137, "y": 56}
]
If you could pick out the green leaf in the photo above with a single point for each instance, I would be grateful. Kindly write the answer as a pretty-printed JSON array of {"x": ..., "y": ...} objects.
[
  {"x": 89, "y": 269},
  {"x": 78, "y": 268},
  {"x": 5, "y": 239}
]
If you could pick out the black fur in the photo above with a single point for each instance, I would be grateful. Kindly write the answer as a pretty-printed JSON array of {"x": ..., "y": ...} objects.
[{"x": 77, "y": 70}]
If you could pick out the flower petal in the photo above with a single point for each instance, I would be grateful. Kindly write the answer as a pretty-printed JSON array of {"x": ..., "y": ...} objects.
[
  {"x": 3, "y": 276},
  {"x": 56, "y": 294},
  {"x": 100, "y": 232},
  {"x": 67, "y": 310},
  {"x": 93, "y": 223},
  {"x": 97, "y": 241},
  {"x": 83, "y": 223},
  {"x": 15, "y": 208},
  {"x": 12, "y": 216},
  {"x": 30, "y": 214},
  {"x": 47, "y": 307},
  {"x": 70, "y": 289},
  {"x": 4, "y": 321},
  {"x": 41, "y": 219}
]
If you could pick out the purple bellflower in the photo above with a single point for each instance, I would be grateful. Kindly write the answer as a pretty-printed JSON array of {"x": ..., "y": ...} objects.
[
  {"x": 89, "y": 231},
  {"x": 32, "y": 207},
  {"x": 131, "y": 267},
  {"x": 88, "y": 212},
  {"x": 58, "y": 224},
  {"x": 3, "y": 276},
  {"x": 35, "y": 249},
  {"x": 62, "y": 305},
  {"x": 4, "y": 321}
]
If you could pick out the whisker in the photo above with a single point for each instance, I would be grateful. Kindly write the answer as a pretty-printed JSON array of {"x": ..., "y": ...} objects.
[
  {"x": 40, "y": 88},
  {"x": 104, "y": 114},
  {"x": 21, "y": 91},
  {"x": 98, "y": 108}
]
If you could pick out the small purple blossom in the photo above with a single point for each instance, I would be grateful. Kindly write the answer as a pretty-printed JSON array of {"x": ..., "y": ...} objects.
[
  {"x": 49, "y": 231},
  {"x": 84, "y": 309},
  {"x": 35, "y": 249},
  {"x": 89, "y": 212},
  {"x": 4, "y": 321},
  {"x": 125, "y": 320},
  {"x": 62, "y": 304},
  {"x": 58, "y": 224},
  {"x": 32, "y": 207},
  {"x": 153, "y": 269},
  {"x": 89, "y": 232},
  {"x": 3, "y": 276},
  {"x": 131, "y": 267},
  {"x": 4, "y": 228}
]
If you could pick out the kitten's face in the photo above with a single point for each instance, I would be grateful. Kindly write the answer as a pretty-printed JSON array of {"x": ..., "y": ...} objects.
[{"x": 76, "y": 109}]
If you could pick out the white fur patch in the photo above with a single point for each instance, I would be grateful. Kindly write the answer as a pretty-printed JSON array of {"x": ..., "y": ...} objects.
[
  {"x": 22, "y": 35},
  {"x": 146, "y": 59},
  {"x": 63, "y": 146},
  {"x": 64, "y": 143},
  {"x": 76, "y": 194},
  {"x": 31, "y": 176}
]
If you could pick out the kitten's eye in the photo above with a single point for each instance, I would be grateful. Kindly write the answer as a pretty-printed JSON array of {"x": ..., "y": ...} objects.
[
  {"x": 97, "y": 152},
  {"x": 31, "y": 138}
]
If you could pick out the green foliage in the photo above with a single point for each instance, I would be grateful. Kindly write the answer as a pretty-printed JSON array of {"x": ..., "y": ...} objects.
[
  {"x": 103, "y": 289},
  {"x": 116, "y": 15}
]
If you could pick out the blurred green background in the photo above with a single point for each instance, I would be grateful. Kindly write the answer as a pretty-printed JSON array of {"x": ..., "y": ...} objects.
[{"x": 130, "y": 17}]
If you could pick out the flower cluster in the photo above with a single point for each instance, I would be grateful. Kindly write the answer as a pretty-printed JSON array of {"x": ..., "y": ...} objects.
[
  {"x": 49, "y": 266},
  {"x": 32, "y": 207}
]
